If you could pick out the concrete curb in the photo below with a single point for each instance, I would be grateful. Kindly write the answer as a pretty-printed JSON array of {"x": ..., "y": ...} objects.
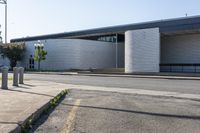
[
  {"x": 141, "y": 76},
  {"x": 36, "y": 115},
  {"x": 53, "y": 73}
]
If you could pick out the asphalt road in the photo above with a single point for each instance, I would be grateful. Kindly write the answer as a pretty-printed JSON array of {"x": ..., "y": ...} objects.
[
  {"x": 107, "y": 112},
  {"x": 183, "y": 86}
]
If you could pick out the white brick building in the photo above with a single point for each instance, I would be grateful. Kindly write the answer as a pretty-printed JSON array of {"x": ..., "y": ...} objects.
[{"x": 169, "y": 45}]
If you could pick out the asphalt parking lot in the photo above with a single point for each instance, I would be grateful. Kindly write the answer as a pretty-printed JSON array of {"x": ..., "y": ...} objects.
[
  {"x": 107, "y": 112},
  {"x": 170, "y": 85}
]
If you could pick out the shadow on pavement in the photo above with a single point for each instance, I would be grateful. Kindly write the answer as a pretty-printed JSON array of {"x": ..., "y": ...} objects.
[
  {"x": 24, "y": 87},
  {"x": 2, "y": 122},
  {"x": 34, "y": 93},
  {"x": 29, "y": 85},
  {"x": 139, "y": 112}
]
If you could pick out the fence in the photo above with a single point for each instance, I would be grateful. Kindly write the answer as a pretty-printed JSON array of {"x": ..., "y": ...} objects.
[{"x": 190, "y": 68}]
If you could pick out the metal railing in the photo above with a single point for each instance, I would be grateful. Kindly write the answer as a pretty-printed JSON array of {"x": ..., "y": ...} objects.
[{"x": 180, "y": 67}]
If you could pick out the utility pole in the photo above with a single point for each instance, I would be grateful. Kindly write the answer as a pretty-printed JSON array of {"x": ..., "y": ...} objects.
[
  {"x": 6, "y": 23},
  {"x": 5, "y": 3}
]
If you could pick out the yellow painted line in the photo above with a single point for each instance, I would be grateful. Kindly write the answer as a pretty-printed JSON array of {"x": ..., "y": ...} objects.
[{"x": 71, "y": 117}]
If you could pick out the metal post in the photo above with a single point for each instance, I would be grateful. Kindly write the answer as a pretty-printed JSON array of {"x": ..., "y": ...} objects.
[
  {"x": 39, "y": 64},
  {"x": 15, "y": 76},
  {"x": 116, "y": 50},
  {"x": 4, "y": 84},
  {"x": 21, "y": 75}
]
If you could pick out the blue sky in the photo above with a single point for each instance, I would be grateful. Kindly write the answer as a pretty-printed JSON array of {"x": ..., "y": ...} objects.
[{"x": 37, "y": 17}]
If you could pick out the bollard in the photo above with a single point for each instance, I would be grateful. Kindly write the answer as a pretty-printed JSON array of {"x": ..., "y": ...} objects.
[
  {"x": 21, "y": 75},
  {"x": 4, "y": 81},
  {"x": 15, "y": 76}
]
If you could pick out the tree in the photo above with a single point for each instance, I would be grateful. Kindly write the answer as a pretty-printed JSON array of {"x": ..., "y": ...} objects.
[
  {"x": 13, "y": 51},
  {"x": 40, "y": 53}
]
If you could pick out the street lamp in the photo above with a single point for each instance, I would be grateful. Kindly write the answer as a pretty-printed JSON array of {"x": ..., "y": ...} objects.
[
  {"x": 5, "y": 3},
  {"x": 39, "y": 46}
]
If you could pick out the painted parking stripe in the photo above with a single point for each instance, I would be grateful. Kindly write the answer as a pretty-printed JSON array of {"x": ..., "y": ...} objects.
[{"x": 71, "y": 117}]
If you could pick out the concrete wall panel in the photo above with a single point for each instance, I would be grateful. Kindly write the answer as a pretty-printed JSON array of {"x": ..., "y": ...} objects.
[{"x": 66, "y": 54}]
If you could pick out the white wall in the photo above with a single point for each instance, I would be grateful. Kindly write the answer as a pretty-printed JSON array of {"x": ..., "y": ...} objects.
[
  {"x": 142, "y": 50},
  {"x": 180, "y": 49},
  {"x": 66, "y": 54}
]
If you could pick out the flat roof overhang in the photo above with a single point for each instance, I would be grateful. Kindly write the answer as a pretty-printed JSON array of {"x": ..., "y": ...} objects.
[
  {"x": 165, "y": 26},
  {"x": 182, "y": 32}
]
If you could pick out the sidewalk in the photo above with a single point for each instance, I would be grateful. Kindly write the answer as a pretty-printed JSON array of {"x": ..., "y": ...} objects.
[{"x": 19, "y": 103}]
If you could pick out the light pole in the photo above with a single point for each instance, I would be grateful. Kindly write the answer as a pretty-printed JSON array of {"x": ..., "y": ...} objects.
[
  {"x": 5, "y": 3},
  {"x": 39, "y": 46},
  {"x": 116, "y": 49},
  {"x": 0, "y": 35}
]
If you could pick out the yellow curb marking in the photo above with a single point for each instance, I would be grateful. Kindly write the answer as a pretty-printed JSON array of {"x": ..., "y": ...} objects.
[{"x": 71, "y": 117}]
